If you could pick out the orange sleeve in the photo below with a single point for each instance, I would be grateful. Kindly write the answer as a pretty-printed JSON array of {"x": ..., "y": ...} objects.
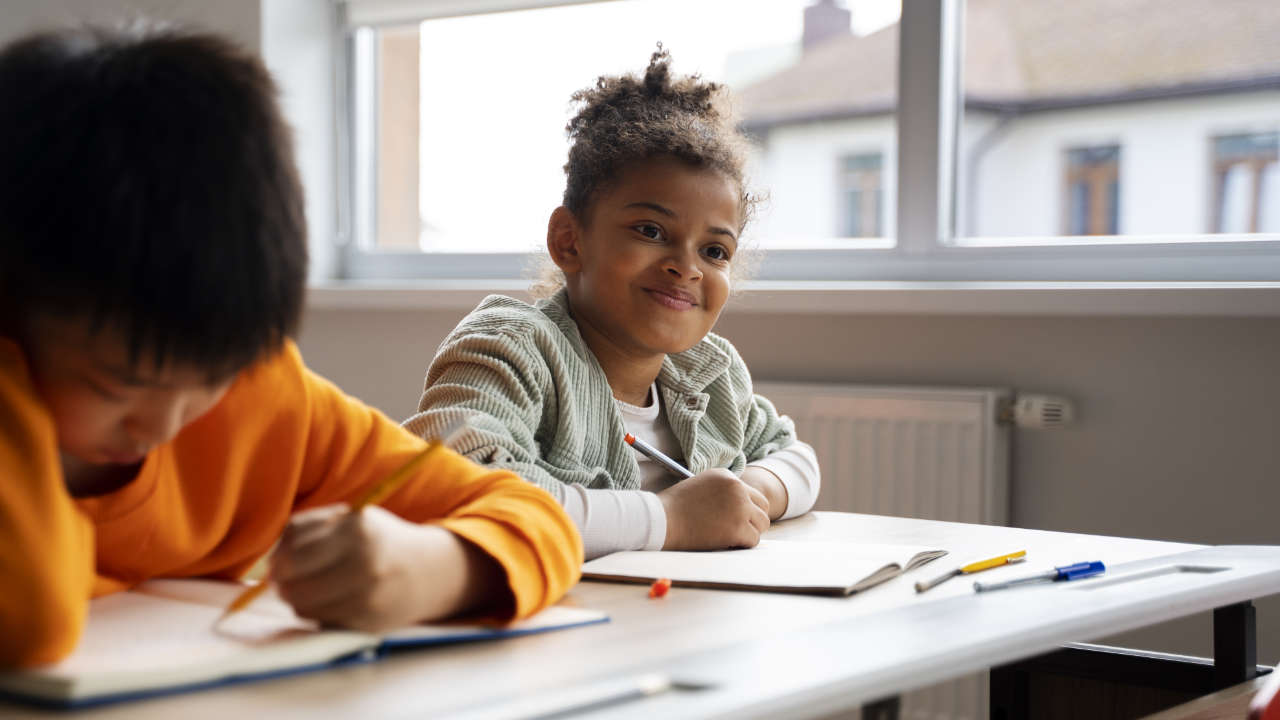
[
  {"x": 46, "y": 544},
  {"x": 351, "y": 446}
]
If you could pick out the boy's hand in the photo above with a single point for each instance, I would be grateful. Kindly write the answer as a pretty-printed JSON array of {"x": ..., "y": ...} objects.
[
  {"x": 371, "y": 570},
  {"x": 713, "y": 510},
  {"x": 770, "y": 486}
]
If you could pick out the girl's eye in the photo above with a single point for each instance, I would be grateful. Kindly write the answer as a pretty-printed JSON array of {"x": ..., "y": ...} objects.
[
  {"x": 717, "y": 252},
  {"x": 649, "y": 230}
]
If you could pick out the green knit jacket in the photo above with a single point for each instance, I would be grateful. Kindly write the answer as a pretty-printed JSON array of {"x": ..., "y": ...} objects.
[{"x": 537, "y": 402}]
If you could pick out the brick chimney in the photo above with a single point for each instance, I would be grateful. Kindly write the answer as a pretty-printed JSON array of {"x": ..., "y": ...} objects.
[{"x": 824, "y": 20}]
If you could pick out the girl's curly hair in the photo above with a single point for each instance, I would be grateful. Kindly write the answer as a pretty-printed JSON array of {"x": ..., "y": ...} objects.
[{"x": 625, "y": 119}]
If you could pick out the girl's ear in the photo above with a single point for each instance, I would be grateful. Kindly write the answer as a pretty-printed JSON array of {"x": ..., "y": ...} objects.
[{"x": 564, "y": 237}]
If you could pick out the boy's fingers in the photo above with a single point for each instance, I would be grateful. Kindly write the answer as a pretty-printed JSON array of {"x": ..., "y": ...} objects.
[
  {"x": 306, "y": 523},
  {"x": 348, "y": 611},
  {"x": 310, "y": 593},
  {"x": 299, "y": 557}
]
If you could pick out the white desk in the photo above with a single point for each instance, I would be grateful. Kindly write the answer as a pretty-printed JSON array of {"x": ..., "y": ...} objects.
[{"x": 773, "y": 655}]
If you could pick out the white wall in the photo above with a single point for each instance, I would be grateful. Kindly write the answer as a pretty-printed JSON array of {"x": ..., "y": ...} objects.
[{"x": 299, "y": 45}]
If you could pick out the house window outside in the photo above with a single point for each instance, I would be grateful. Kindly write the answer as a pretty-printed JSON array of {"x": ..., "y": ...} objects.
[
  {"x": 1093, "y": 191},
  {"x": 861, "y": 195},
  {"x": 1246, "y": 183}
]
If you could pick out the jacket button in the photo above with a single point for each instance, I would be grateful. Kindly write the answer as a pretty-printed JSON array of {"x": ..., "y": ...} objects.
[{"x": 691, "y": 403}]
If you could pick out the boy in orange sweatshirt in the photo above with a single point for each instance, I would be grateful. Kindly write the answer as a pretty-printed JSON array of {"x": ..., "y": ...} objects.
[{"x": 156, "y": 419}]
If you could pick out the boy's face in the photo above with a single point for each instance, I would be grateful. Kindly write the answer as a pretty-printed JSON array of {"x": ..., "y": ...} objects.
[
  {"x": 652, "y": 265},
  {"x": 107, "y": 412}
]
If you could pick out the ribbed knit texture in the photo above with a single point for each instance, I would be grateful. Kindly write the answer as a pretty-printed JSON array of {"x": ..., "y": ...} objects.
[{"x": 538, "y": 403}]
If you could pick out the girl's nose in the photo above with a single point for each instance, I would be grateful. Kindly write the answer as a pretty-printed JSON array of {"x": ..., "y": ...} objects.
[{"x": 683, "y": 263}]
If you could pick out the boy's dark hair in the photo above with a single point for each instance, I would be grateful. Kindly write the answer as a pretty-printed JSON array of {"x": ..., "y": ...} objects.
[
  {"x": 147, "y": 184},
  {"x": 625, "y": 119}
]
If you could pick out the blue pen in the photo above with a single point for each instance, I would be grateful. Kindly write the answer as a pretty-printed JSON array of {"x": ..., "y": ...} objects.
[{"x": 1058, "y": 574}]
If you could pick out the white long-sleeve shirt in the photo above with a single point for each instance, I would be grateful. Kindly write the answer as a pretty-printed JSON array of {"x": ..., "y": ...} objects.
[{"x": 614, "y": 520}]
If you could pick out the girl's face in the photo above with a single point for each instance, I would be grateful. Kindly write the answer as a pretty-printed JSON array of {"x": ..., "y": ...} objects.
[{"x": 648, "y": 269}]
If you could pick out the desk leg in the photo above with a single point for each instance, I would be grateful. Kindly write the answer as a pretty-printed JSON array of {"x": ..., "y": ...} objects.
[
  {"x": 1010, "y": 693},
  {"x": 1132, "y": 682},
  {"x": 1235, "y": 650},
  {"x": 886, "y": 709}
]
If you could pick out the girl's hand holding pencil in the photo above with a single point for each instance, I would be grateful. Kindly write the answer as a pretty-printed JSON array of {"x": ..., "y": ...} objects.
[{"x": 713, "y": 510}]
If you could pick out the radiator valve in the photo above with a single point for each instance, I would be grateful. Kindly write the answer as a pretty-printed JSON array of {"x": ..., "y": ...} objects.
[{"x": 1039, "y": 411}]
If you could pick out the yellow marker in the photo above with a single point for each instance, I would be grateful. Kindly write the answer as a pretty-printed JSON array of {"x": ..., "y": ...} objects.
[
  {"x": 372, "y": 496},
  {"x": 979, "y": 566}
]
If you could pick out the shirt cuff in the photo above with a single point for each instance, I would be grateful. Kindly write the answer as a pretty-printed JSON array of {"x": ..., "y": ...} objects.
[
  {"x": 796, "y": 466},
  {"x": 614, "y": 520},
  {"x": 657, "y": 521}
]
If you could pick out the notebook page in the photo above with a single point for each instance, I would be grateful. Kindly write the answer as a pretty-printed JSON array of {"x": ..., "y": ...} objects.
[
  {"x": 772, "y": 563},
  {"x": 134, "y": 641}
]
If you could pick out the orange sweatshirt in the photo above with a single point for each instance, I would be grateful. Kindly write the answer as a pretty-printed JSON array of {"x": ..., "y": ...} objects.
[{"x": 216, "y": 498}]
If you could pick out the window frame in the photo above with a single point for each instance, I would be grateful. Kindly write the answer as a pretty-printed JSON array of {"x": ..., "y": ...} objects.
[{"x": 928, "y": 246}]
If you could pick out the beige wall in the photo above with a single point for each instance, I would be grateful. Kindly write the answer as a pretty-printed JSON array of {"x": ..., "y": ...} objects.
[{"x": 1179, "y": 419}]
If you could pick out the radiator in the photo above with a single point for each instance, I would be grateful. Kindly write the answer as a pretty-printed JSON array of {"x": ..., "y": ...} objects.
[{"x": 924, "y": 452}]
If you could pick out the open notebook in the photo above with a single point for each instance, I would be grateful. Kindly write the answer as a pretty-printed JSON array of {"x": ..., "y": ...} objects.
[
  {"x": 160, "y": 638},
  {"x": 812, "y": 568}
]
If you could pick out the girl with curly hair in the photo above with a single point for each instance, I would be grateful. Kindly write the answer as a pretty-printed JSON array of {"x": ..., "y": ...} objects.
[{"x": 646, "y": 247}]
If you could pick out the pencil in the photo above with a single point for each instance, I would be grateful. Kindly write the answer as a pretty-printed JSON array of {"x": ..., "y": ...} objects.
[
  {"x": 374, "y": 495},
  {"x": 974, "y": 567},
  {"x": 656, "y": 454}
]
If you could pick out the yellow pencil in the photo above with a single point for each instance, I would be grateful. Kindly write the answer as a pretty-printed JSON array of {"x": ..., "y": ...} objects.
[
  {"x": 974, "y": 567},
  {"x": 372, "y": 496}
]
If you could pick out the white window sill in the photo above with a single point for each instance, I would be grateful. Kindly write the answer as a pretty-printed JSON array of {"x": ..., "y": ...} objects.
[{"x": 1174, "y": 299}]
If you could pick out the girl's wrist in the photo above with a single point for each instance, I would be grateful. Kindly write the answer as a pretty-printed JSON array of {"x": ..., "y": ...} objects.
[{"x": 770, "y": 485}]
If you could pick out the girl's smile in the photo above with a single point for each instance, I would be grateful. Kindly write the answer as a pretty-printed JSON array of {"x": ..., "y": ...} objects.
[{"x": 672, "y": 298}]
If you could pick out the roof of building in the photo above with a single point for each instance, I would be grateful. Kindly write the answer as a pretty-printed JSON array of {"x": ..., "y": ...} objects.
[{"x": 1023, "y": 55}]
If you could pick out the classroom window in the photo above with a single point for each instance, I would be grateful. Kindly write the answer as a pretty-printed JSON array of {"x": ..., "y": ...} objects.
[
  {"x": 861, "y": 195},
  {"x": 457, "y": 149},
  {"x": 1246, "y": 178},
  {"x": 1156, "y": 77},
  {"x": 1093, "y": 191},
  {"x": 466, "y": 147}
]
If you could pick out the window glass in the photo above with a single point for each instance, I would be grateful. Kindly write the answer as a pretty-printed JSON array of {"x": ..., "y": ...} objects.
[
  {"x": 1132, "y": 117},
  {"x": 465, "y": 143}
]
